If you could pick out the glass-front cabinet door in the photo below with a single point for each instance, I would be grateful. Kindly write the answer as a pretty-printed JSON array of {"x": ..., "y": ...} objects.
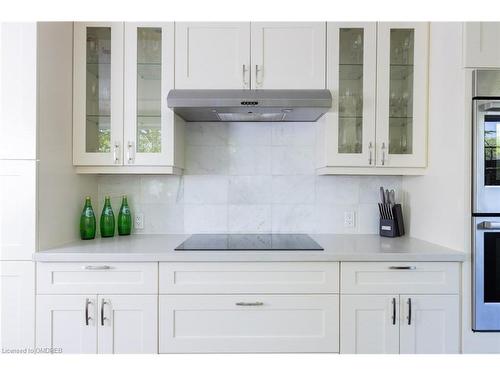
[
  {"x": 351, "y": 59},
  {"x": 149, "y": 75},
  {"x": 402, "y": 80},
  {"x": 98, "y": 93}
]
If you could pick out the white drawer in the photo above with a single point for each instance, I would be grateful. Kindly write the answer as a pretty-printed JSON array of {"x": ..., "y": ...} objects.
[
  {"x": 109, "y": 278},
  {"x": 244, "y": 277},
  {"x": 400, "y": 277},
  {"x": 243, "y": 323}
]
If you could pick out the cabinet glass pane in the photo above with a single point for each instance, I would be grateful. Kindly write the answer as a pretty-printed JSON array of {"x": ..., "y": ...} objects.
[
  {"x": 350, "y": 91},
  {"x": 149, "y": 89},
  {"x": 401, "y": 92},
  {"x": 98, "y": 97}
]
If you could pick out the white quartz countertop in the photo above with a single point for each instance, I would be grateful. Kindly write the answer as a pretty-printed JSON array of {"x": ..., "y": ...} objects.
[{"x": 160, "y": 248}]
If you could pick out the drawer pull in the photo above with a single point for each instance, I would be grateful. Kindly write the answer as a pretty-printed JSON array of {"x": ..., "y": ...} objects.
[
  {"x": 97, "y": 268},
  {"x": 249, "y": 303},
  {"x": 402, "y": 268}
]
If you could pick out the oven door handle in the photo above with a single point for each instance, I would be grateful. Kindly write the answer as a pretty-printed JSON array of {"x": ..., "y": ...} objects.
[{"x": 491, "y": 224}]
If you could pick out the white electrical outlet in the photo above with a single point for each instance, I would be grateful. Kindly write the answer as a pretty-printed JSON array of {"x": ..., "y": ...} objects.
[
  {"x": 349, "y": 219},
  {"x": 139, "y": 221}
]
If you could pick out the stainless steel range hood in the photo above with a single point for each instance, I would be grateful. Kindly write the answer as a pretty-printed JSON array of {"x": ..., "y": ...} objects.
[{"x": 250, "y": 105}]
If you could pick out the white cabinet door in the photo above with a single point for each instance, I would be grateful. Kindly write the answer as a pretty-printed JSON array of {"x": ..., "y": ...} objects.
[
  {"x": 351, "y": 76},
  {"x": 248, "y": 323},
  {"x": 429, "y": 324},
  {"x": 17, "y": 305},
  {"x": 149, "y": 76},
  {"x": 17, "y": 209},
  {"x": 67, "y": 323},
  {"x": 98, "y": 93},
  {"x": 288, "y": 55},
  {"x": 402, "y": 94},
  {"x": 482, "y": 44},
  {"x": 18, "y": 90},
  {"x": 212, "y": 55},
  {"x": 369, "y": 324},
  {"x": 128, "y": 324}
]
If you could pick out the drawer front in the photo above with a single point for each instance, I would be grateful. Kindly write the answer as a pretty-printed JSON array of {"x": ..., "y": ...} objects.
[
  {"x": 244, "y": 277},
  {"x": 243, "y": 323},
  {"x": 109, "y": 278},
  {"x": 399, "y": 277}
]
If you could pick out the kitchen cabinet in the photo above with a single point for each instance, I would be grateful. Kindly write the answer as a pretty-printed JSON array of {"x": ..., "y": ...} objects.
[
  {"x": 108, "y": 324},
  {"x": 261, "y": 55},
  {"x": 288, "y": 55},
  {"x": 248, "y": 323},
  {"x": 481, "y": 44},
  {"x": 121, "y": 122},
  {"x": 378, "y": 75},
  {"x": 212, "y": 55},
  {"x": 406, "y": 324},
  {"x": 67, "y": 323},
  {"x": 405, "y": 308},
  {"x": 17, "y": 209},
  {"x": 17, "y": 302},
  {"x": 18, "y": 90},
  {"x": 108, "y": 307},
  {"x": 369, "y": 324}
]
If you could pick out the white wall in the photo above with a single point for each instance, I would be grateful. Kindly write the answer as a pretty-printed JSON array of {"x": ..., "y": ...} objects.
[
  {"x": 61, "y": 192},
  {"x": 250, "y": 177}
]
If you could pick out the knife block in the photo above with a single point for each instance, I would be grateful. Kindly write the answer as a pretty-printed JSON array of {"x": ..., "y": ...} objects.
[{"x": 393, "y": 227}]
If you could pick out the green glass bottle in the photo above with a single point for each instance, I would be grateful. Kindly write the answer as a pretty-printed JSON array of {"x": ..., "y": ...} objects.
[
  {"x": 107, "y": 219},
  {"x": 124, "y": 218},
  {"x": 87, "y": 221}
]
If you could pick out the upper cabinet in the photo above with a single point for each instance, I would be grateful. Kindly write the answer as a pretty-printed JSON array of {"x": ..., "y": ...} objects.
[
  {"x": 482, "y": 44},
  {"x": 378, "y": 75},
  {"x": 402, "y": 70},
  {"x": 212, "y": 55},
  {"x": 123, "y": 73},
  {"x": 288, "y": 55},
  {"x": 243, "y": 55}
]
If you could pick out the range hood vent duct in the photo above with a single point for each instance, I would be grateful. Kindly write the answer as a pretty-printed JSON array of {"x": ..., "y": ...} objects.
[{"x": 250, "y": 105}]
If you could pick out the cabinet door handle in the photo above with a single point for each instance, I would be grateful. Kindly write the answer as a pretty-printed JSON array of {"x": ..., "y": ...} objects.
[
  {"x": 409, "y": 311},
  {"x": 103, "y": 318},
  {"x": 383, "y": 153},
  {"x": 97, "y": 268},
  {"x": 402, "y": 268},
  {"x": 130, "y": 152},
  {"x": 116, "y": 153},
  {"x": 87, "y": 317},
  {"x": 394, "y": 311},
  {"x": 370, "y": 149},
  {"x": 245, "y": 83},
  {"x": 249, "y": 303},
  {"x": 257, "y": 70}
]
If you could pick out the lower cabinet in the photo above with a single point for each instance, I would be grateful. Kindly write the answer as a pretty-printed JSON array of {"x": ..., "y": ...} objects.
[
  {"x": 97, "y": 323},
  {"x": 17, "y": 306},
  {"x": 403, "y": 324},
  {"x": 248, "y": 323}
]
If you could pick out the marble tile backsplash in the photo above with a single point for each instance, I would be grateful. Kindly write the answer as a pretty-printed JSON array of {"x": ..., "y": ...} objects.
[{"x": 250, "y": 177}]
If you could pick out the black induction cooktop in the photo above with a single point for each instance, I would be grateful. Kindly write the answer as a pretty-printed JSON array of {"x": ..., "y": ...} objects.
[{"x": 249, "y": 242}]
